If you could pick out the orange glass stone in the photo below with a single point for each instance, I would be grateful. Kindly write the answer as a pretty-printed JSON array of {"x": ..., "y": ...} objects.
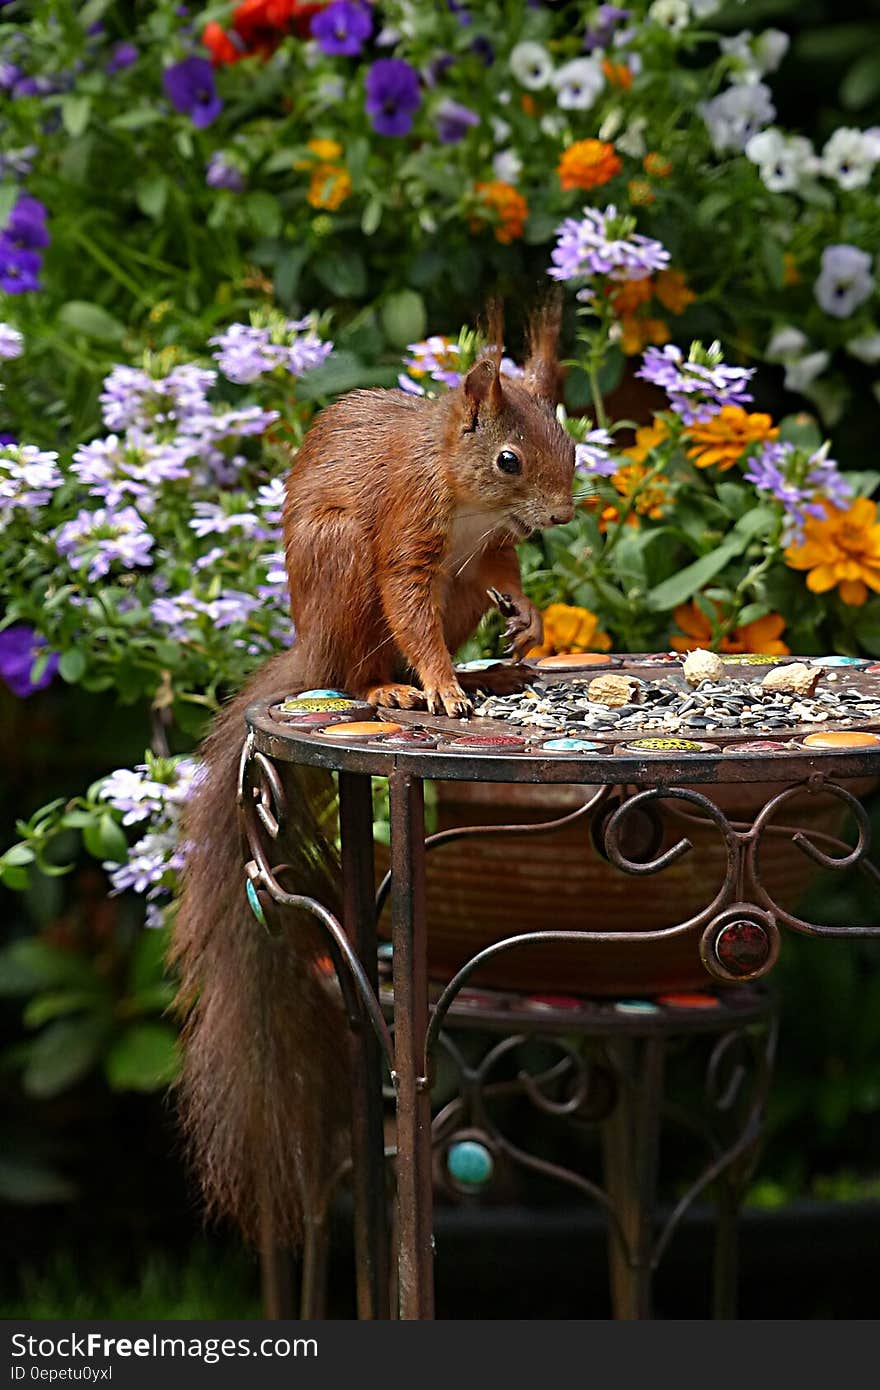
[
  {"x": 361, "y": 728},
  {"x": 688, "y": 1001},
  {"x": 842, "y": 738},
  {"x": 576, "y": 659}
]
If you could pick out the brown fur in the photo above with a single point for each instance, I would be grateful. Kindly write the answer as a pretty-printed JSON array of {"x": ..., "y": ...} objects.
[{"x": 397, "y": 520}]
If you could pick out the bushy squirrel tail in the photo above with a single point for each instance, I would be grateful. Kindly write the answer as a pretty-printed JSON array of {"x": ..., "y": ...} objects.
[{"x": 264, "y": 1044}]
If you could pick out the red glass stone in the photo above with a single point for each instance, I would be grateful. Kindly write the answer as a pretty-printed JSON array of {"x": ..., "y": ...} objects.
[{"x": 742, "y": 947}]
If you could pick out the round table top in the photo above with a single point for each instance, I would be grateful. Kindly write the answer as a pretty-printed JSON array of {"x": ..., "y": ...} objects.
[{"x": 294, "y": 728}]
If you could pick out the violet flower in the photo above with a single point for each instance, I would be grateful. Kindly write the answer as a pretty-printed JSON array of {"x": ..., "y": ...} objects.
[
  {"x": 124, "y": 55},
  {"x": 19, "y": 649},
  {"x": 341, "y": 29},
  {"x": 801, "y": 483},
  {"x": 393, "y": 96},
  {"x": 93, "y": 541},
  {"x": 221, "y": 173},
  {"x": 454, "y": 121},
  {"x": 604, "y": 242},
  {"x": 11, "y": 342},
  {"x": 191, "y": 90}
]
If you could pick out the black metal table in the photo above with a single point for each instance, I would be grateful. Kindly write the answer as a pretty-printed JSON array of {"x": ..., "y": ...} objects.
[{"x": 738, "y": 931}]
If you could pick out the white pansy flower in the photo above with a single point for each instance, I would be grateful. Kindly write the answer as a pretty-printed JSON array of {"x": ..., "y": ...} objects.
[
  {"x": 866, "y": 347},
  {"x": 782, "y": 161},
  {"x": 802, "y": 372},
  {"x": 701, "y": 9},
  {"x": 611, "y": 124},
  {"x": 786, "y": 344},
  {"x": 849, "y": 157},
  {"x": 552, "y": 126},
  {"x": 632, "y": 141},
  {"x": 507, "y": 166},
  {"x": 770, "y": 48},
  {"x": 673, "y": 15},
  {"x": 500, "y": 129},
  {"x": 845, "y": 281},
  {"x": 531, "y": 65},
  {"x": 736, "y": 115},
  {"x": 578, "y": 84}
]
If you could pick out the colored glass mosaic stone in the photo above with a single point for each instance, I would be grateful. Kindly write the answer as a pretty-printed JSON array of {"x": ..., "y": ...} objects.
[
  {"x": 470, "y": 1163},
  {"x": 573, "y": 745},
  {"x": 255, "y": 904},
  {"x": 666, "y": 745},
  {"x": 842, "y": 738},
  {"x": 742, "y": 947},
  {"x": 360, "y": 730}
]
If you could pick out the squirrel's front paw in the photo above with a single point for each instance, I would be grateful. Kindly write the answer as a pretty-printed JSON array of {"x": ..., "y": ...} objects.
[
  {"x": 448, "y": 698},
  {"x": 525, "y": 629},
  {"x": 397, "y": 696}
]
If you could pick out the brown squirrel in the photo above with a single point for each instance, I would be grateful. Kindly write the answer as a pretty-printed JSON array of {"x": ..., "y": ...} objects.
[{"x": 401, "y": 512}]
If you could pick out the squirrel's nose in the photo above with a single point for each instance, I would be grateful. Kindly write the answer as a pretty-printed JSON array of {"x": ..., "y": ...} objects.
[{"x": 562, "y": 514}]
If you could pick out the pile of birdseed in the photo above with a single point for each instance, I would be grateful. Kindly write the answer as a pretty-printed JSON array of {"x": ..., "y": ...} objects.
[{"x": 661, "y": 706}]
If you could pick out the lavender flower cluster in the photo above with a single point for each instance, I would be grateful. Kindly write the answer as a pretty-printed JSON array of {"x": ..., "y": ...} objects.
[
  {"x": 802, "y": 483},
  {"x": 698, "y": 386},
  {"x": 604, "y": 243},
  {"x": 247, "y": 351},
  {"x": 155, "y": 793}
]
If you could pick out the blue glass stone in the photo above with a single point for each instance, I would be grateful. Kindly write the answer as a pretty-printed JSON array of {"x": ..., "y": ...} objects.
[
  {"x": 323, "y": 695},
  {"x": 838, "y": 661},
  {"x": 480, "y": 664},
  {"x": 385, "y": 950},
  {"x": 573, "y": 745},
  {"x": 635, "y": 1006},
  {"x": 256, "y": 905},
  {"x": 470, "y": 1163}
]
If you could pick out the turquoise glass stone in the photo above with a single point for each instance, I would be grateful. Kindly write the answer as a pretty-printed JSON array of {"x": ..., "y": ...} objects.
[
  {"x": 385, "y": 950},
  {"x": 838, "y": 661},
  {"x": 635, "y": 1006},
  {"x": 322, "y": 695},
  {"x": 470, "y": 1163},
  {"x": 256, "y": 906}
]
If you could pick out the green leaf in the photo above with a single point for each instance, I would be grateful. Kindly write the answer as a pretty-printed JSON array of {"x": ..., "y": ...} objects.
[
  {"x": 45, "y": 1007},
  {"x": 104, "y": 839},
  {"x": 18, "y": 854},
  {"x": 32, "y": 1182},
  {"x": 147, "y": 964},
  {"x": 774, "y": 262},
  {"x": 372, "y": 216},
  {"x": 91, "y": 320},
  {"x": 682, "y": 586},
  {"x": 76, "y": 111},
  {"x": 343, "y": 273},
  {"x": 137, "y": 118},
  {"x": 151, "y": 195},
  {"x": 144, "y": 1058},
  {"x": 862, "y": 82},
  {"x": 72, "y": 665},
  {"x": 62, "y": 1054},
  {"x": 30, "y": 965},
  {"x": 404, "y": 318},
  {"x": 8, "y": 196},
  {"x": 264, "y": 213},
  {"x": 801, "y": 430}
]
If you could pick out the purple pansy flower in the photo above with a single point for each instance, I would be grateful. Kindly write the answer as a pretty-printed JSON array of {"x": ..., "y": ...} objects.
[
  {"x": 605, "y": 22},
  {"x": 454, "y": 121},
  {"x": 19, "y": 648},
  {"x": 342, "y": 28},
  {"x": 19, "y": 270},
  {"x": 191, "y": 90},
  {"x": 393, "y": 96},
  {"x": 26, "y": 226},
  {"x": 124, "y": 55}
]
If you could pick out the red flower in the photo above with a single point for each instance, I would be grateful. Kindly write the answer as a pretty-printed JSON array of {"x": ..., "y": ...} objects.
[{"x": 258, "y": 26}]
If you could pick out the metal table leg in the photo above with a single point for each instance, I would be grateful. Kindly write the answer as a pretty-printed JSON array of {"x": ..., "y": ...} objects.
[
  {"x": 368, "y": 1135},
  {"x": 414, "y": 1155}
]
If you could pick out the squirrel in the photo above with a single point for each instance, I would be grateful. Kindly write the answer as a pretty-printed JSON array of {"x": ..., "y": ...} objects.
[{"x": 401, "y": 512}]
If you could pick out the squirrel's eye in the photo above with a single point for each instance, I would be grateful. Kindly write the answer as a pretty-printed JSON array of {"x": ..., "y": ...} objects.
[{"x": 508, "y": 462}]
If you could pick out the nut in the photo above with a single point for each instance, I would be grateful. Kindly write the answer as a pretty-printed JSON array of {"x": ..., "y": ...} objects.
[
  {"x": 800, "y": 678},
  {"x": 611, "y": 690},
  {"x": 700, "y": 665}
]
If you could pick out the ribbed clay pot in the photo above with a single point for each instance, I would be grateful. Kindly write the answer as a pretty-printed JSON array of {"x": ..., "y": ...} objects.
[{"x": 484, "y": 889}]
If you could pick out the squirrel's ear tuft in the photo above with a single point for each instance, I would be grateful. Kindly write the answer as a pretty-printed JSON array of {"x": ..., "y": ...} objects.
[
  {"x": 542, "y": 364},
  {"x": 482, "y": 396}
]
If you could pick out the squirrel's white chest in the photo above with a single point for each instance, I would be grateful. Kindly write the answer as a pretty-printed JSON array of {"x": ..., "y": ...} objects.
[{"x": 470, "y": 534}]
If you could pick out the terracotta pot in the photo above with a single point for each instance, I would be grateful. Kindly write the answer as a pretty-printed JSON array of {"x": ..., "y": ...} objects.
[{"x": 483, "y": 889}]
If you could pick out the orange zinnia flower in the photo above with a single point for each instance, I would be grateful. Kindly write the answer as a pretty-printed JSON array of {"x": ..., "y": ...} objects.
[
  {"x": 570, "y": 629},
  {"x": 841, "y": 549},
  {"x": 588, "y": 164},
  {"x": 637, "y": 333},
  {"x": 641, "y": 194},
  {"x": 760, "y": 636},
  {"x": 656, "y": 165},
  {"x": 330, "y": 183},
  {"x": 617, "y": 74},
  {"x": 725, "y": 438},
  {"x": 627, "y": 296},
  {"x": 509, "y": 209},
  {"x": 647, "y": 438},
  {"x": 671, "y": 288}
]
